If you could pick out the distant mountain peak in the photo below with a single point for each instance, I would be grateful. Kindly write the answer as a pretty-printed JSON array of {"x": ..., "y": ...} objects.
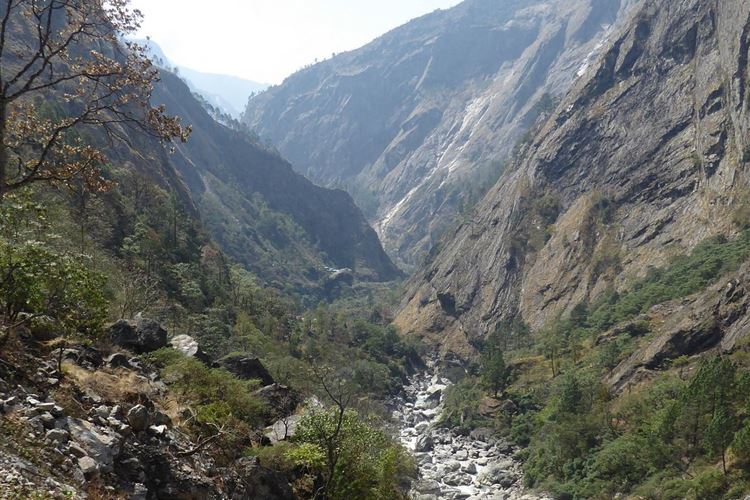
[{"x": 225, "y": 92}]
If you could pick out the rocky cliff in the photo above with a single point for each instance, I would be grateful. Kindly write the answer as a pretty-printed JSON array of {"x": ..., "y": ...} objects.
[
  {"x": 644, "y": 158},
  {"x": 416, "y": 121}
]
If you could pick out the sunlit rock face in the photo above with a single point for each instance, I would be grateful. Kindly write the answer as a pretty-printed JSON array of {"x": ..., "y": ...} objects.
[
  {"x": 414, "y": 124},
  {"x": 642, "y": 160}
]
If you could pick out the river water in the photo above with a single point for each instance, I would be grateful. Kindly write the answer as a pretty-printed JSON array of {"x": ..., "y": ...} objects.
[{"x": 452, "y": 466}]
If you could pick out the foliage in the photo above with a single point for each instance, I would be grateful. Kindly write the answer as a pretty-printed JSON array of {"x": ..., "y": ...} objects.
[
  {"x": 98, "y": 93},
  {"x": 369, "y": 464},
  {"x": 461, "y": 405},
  {"x": 686, "y": 274},
  {"x": 216, "y": 396},
  {"x": 40, "y": 280},
  {"x": 495, "y": 373}
]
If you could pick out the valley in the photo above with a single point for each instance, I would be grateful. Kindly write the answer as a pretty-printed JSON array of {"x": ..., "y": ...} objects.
[{"x": 500, "y": 252}]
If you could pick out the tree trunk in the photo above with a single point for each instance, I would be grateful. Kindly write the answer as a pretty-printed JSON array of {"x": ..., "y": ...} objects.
[{"x": 3, "y": 150}]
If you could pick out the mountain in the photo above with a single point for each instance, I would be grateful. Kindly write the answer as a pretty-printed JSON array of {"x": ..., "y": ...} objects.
[
  {"x": 227, "y": 93},
  {"x": 271, "y": 219},
  {"x": 416, "y": 123},
  {"x": 642, "y": 162}
]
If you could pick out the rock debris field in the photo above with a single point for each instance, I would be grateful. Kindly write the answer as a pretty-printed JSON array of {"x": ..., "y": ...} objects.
[{"x": 451, "y": 465}]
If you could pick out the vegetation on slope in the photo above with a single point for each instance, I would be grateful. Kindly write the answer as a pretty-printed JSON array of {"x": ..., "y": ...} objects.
[{"x": 683, "y": 435}]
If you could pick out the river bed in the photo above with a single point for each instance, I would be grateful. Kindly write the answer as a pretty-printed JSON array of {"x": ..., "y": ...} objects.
[{"x": 452, "y": 466}]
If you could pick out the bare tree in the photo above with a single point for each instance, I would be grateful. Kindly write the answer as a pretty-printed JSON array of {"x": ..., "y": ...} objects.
[{"x": 66, "y": 73}]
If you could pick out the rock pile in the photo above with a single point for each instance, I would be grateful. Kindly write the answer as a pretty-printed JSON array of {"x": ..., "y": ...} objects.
[
  {"x": 118, "y": 447},
  {"x": 452, "y": 465}
]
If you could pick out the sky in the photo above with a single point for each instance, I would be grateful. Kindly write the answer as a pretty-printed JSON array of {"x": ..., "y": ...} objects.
[{"x": 267, "y": 40}]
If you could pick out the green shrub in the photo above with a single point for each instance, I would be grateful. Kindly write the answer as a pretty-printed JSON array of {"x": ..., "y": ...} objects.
[
  {"x": 217, "y": 396},
  {"x": 359, "y": 461}
]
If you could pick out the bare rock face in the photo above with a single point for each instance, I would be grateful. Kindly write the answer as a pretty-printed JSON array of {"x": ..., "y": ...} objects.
[
  {"x": 416, "y": 119},
  {"x": 644, "y": 158}
]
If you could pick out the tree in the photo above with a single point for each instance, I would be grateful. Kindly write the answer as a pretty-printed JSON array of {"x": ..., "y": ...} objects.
[
  {"x": 494, "y": 370},
  {"x": 73, "y": 50}
]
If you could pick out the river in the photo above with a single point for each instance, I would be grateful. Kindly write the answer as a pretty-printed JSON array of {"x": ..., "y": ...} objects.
[{"x": 452, "y": 466}]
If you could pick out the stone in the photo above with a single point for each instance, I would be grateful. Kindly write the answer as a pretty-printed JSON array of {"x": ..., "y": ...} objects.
[
  {"x": 138, "y": 418},
  {"x": 247, "y": 368},
  {"x": 188, "y": 346},
  {"x": 483, "y": 434},
  {"x": 160, "y": 418},
  {"x": 100, "y": 444},
  {"x": 48, "y": 421},
  {"x": 495, "y": 474},
  {"x": 44, "y": 329},
  {"x": 469, "y": 468},
  {"x": 141, "y": 335},
  {"x": 58, "y": 436},
  {"x": 76, "y": 450},
  {"x": 424, "y": 443},
  {"x": 101, "y": 411},
  {"x": 140, "y": 492},
  {"x": 283, "y": 429},
  {"x": 280, "y": 400},
  {"x": 117, "y": 360},
  {"x": 89, "y": 467},
  {"x": 158, "y": 430},
  {"x": 453, "y": 465}
]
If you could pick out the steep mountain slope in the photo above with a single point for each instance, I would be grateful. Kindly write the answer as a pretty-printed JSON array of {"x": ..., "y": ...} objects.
[
  {"x": 264, "y": 214},
  {"x": 645, "y": 158},
  {"x": 413, "y": 122}
]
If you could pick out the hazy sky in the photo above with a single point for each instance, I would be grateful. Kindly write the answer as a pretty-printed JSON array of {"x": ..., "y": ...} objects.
[{"x": 267, "y": 40}]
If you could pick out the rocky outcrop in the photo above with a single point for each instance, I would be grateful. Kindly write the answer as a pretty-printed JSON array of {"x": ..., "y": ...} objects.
[
  {"x": 714, "y": 320},
  {"x": 280, "y": 400},
  {"x": 140, "y": 335},
  {"x": 413, "y": 122},
  {"x": 643, "y": 159},
  {"x": 246, "y": 368},
  {"x": 88, "y": 442}
]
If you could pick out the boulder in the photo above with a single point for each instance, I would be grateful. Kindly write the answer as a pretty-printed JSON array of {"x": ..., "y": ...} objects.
[
  {"x": 140, "y": 336},
  {"x": 89, "y": 467},
  {"x": 188, "y": 346},
  {"x": 488, "y": 407},
  {"x": 117, "y": 360},
  {"x": 255, "y": 481},
  {"x": 283, "y": 428},
  {"x": 44, "y": 328},
  {"x": 496, "y": 474},
  {"x": 424, "y": 443},
  {"x": 483, "y": 434},
  {"x": 246, "y": 368},
  {"x": 138, "y": 418},
  {"x": 427, "y": 486},
  {"x": 280, "y": 400},
  {"x": 99, "y": 444}
]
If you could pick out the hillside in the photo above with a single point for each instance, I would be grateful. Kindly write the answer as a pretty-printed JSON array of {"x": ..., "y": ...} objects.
[
  {"x": 653, "y": 138},
  {"x": 269, "y": 218},
  {"x": 608, "y": 269},
  {"x": 416, "y": 124}
]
